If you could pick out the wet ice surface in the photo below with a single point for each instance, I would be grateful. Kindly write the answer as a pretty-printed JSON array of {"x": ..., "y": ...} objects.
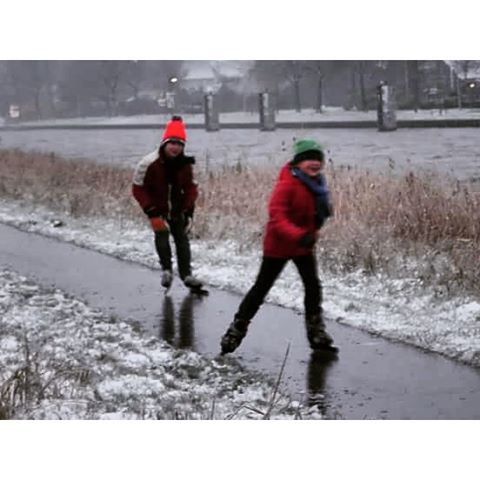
[{"x": 452, "y": 151}]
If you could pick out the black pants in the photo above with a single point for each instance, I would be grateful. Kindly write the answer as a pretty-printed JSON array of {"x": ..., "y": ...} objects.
[
  {"x": 182, "y": 247},
  {"x": 270, "y": 269}
]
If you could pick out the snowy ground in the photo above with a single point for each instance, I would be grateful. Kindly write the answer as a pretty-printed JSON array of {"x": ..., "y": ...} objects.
[
  {"x": 59, "y": 359},
  {"x": 397, "y": 308}
]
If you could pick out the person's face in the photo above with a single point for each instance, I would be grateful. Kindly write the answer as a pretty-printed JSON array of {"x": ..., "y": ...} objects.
[
  {"x": 173, "y": 148},
  {"x": 311, "y": 167}
]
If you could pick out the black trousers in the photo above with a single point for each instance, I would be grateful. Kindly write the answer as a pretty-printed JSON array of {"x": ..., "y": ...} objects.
[
  {"x": 182, "y": 247},
  {"x": 270, "y": 269}
]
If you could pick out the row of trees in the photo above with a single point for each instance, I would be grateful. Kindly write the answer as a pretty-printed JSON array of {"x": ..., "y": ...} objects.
[
  {"x": 56, "y": 88},
  {"x": 78, "y": 88},
  {"x": 352, "y": 84}
]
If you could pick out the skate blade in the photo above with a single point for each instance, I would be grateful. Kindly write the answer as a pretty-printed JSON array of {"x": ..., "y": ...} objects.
[
  {"x": 326, "y": 349},
  {"x": 199, "y": 291}
]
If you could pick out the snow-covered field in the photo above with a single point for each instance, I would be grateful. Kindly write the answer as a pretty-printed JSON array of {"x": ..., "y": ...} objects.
[
  {"x": 59, "y": 359},
  {"x": 452, "y": 151},
  {"x": 397, "y": 308}
]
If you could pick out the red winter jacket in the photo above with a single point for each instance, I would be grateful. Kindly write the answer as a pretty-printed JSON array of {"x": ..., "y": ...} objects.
[
  {"x": 151, "y": 186},
  {"x": 291, "y": 216}
]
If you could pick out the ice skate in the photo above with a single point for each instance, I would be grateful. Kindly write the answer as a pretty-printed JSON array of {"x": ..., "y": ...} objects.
[
  {"x": 318, "y": 337},
  {"x": 234, "y": 335},
  {"x": 195, "y": 285},
  {"x": 167, "y": 279}
]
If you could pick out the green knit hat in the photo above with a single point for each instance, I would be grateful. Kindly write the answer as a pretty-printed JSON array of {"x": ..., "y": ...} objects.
[{"x": 307, "y": 150}]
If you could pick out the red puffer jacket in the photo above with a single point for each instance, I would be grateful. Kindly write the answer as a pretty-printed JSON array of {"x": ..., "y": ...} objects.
[
  {"x": 291, "y": 216},
  {"x": 151, "y": 185}
]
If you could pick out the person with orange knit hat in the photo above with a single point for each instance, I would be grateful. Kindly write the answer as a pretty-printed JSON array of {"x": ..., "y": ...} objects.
[{"x": 164, "y": 187}]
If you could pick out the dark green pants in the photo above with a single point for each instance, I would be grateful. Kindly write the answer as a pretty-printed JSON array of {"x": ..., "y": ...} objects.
[{"x": 182, "y": 247}]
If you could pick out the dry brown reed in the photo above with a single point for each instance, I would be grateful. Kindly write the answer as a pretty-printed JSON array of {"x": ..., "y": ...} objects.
[
  {"x": 74, "y": 187},
  {"x": 380, "y": 219}
]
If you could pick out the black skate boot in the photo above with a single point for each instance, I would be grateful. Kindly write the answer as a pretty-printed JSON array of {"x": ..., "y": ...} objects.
[
  {"x": 195, "y": 285},
  {"x": 167, "y": 279},
  {"x": 234, "y": 335},
  {"x": 317, "y": 336}
]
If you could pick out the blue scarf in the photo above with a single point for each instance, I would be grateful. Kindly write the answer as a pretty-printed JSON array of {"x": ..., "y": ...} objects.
[{"x": 318, "y": 186}]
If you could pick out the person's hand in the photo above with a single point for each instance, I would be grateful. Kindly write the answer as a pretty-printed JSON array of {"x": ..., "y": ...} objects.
[
  {"x": 308, "y": 240},
  {"x": 158, "y": 224},
  {"x": 188, "y": 223},
  {"x": 156, "y": 219},
  {"x": 188, "y": 220}
]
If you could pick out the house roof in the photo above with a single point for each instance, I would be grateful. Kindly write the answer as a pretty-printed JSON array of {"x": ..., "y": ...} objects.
[{"x": 215, "y": 69}]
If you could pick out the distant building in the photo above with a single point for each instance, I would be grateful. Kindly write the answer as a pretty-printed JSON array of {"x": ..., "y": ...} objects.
[{"x": 209, "y": 76}]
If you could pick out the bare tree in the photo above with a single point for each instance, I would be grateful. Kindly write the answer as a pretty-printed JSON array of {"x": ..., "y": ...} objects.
[
  {"x": 111, "y": 72},
  {"x": 414, "y": 75},
  {"x": 319, "y": 70},
  {"x": 135, "y": 75},
  {"x": 268, "y": 77},
  {"x": 294, "y": 71},
  {"x": 29, "y": 82},
  {"x": 361, "y": 83},
  {"x": 79, "y": 84}
]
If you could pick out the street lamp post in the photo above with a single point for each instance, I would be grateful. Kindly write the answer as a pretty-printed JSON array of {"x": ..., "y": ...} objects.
[
  {"x": 212, "y": 123},
  {"x": 170, "y": 94}
]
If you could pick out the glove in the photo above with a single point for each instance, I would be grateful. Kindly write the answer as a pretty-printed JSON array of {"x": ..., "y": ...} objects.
[
  {"x": 158, "y": 224},
  {"x": 308, "y": 240},
  {"x": 189, "y": 159},
  {"x": 157, "y": 221},
  {"x": 188, "y": 224}
]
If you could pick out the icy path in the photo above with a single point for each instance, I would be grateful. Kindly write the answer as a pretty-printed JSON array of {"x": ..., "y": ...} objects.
[{"x": 399, "y": 309}]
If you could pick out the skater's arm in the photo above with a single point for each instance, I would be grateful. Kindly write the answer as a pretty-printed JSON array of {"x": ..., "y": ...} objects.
[
  {"x": 279, "y": 208},
  {"x": 139, "y": 191},
  {"x": 143, "y": 198}
]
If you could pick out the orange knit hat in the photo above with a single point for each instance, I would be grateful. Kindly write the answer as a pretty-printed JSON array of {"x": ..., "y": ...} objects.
[{"x": 175, "y": 130}]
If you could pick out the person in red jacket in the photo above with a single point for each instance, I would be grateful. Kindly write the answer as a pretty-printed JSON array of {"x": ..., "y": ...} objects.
[
  {"x": 163, "y": 185},
  {"x": 298, "y": 207}
]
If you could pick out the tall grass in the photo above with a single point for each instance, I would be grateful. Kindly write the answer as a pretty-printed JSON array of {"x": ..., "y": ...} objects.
[
  {"x": 74, "y": 187},
  {"x": 381, "y": 220}
]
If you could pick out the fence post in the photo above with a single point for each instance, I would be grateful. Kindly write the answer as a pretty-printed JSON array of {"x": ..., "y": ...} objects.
[
  {"x": 212, "y": 123},
  {"x": 386, "y": 108},
  {"x": 267, "y": 112}
]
